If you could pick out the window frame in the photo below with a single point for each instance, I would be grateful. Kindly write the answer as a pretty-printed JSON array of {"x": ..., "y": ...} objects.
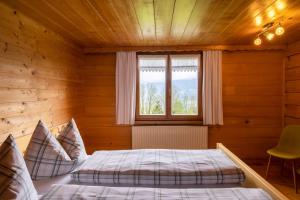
[{"x": 168, "y": 118}]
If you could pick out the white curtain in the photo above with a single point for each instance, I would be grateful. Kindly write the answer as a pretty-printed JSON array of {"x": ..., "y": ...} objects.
[
  {"x": 212, "y": 88},
  {"x": 125, "y": 87}
]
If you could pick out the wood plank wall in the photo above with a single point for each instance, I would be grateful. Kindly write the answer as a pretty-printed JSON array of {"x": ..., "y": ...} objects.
[
  {"x": 252, "y": 92},
  {"x": 292, "y": 85},
  {"x": 39, "y": 76},
  {"x": 99, "y": 119},
  {"x": 252, "y": 102}
]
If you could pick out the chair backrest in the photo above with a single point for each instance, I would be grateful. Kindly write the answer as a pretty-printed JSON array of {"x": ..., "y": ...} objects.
[{"x": 290, "y": 139}]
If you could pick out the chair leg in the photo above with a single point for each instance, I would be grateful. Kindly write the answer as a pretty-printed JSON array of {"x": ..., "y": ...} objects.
[
  {"x": 267, "y": 172},
  {"x": 294, "y": 176}
]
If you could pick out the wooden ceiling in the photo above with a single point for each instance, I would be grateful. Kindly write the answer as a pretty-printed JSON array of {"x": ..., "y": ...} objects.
[{"x": 112, "y": 23}]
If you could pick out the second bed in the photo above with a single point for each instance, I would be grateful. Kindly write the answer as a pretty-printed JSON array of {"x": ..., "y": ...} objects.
[{"x": 160, "y": 167}]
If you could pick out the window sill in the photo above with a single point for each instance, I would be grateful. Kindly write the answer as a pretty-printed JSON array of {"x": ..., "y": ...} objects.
[{"x": 152, "y": 122}]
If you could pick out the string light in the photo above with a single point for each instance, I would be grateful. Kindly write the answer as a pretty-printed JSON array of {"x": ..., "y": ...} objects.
[
  {"x": 270, "y": 36},
  {"x": 279, "y": 30},
  {"x": 257, "y": 41},
  {"x": 280, "y": 5},
  {"x": 271, "y": 14},
  {"x": 258, "y": 20}
]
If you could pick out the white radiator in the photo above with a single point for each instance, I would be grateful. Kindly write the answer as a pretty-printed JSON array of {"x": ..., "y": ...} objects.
[{"x": 169, "y": 137}]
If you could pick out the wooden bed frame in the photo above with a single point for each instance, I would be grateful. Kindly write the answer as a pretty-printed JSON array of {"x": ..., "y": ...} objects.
[{"x": 253, "y": 179}]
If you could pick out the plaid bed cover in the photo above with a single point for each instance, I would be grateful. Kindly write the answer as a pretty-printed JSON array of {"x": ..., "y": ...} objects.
[
  {"x": 159, "y": 167},
  {"x": 138, "y": 193}
]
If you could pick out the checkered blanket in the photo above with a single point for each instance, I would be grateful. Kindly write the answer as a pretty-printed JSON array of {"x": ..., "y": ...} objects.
[
  {"x": 135, "y": 193},
  {"x": 159, "y": 167}
]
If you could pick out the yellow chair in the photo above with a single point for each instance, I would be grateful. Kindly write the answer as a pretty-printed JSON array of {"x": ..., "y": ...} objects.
[{"x": 288, "y": 148}]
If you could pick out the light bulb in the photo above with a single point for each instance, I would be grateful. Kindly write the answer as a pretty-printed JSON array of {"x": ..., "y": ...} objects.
[
  {"x": 270, "y": 36},
  {"x": 271, "y": 14},
  {"x": 258, "y": 20},
  {"x": 279, "y": 30},
  {"x": 257, "y": 41},
  {"x": 280, "y": 5}
]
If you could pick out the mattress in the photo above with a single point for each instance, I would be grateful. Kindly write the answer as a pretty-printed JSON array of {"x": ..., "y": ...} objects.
[
  {"x": 159, "y": 167},
  {"x": 138, "y": 193}
]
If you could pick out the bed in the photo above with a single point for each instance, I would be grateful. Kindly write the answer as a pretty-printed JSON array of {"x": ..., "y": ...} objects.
[
  {"x": 254, "y": 184},
  {"x": 42, "y": 186},
  {"x": 252, "y": 179},
  {"x": 159, "y": 167},
  {"x": 139, "y": 193}
]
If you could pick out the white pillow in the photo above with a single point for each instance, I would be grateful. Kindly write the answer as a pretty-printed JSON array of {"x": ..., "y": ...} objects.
[
  {"x": 15, "y": 181},
  {"x": 45, "y": 157},
  {"x": 72, "y": 142}
]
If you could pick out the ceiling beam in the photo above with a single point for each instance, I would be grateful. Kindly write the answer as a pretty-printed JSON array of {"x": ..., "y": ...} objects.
[{"x": 94, "y": 50}]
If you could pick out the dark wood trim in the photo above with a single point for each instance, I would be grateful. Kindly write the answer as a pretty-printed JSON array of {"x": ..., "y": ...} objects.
[
  {"x": 137, "y": 98},
  {"x": 168, "y": 89},
  {"x": 95, "y": 50},
  {"x": 200, "y": 85},
  {"x": 168, "y": 118},
  {"x": 170, "y": 53}
]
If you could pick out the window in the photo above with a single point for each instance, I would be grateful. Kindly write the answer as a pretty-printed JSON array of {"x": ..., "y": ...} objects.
[
  {"x": 168, "y": 87},
  {"x": 152, "y": 87}
]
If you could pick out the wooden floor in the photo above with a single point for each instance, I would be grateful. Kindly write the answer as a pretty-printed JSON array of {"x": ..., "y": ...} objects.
[{"x": 284, "y": 182}]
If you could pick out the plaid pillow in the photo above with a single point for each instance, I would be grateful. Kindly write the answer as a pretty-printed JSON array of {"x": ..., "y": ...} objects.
[
  {"x": 15, "y": 181},
  {"x": 45, "y": 157},
  {"x": 72, "y": 142}
]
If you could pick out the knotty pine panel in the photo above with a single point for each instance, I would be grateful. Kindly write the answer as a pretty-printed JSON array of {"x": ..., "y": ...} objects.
[
  {"x": 99, "y": 118},
  {"x": 252, "y": 98},
  {"x": 125, "y": 23},
  {"x": 252, "y": 102},
  {"x": 39, "y": 75},
  {"x": 294, "y": 59},
  {"x": 292, "y": 85}
]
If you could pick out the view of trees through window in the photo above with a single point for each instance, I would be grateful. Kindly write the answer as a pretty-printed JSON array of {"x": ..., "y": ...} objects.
[
  {"x": 184, "y": 85},
  {"x": 153, "y": 85},
  {"x": 183, "y": 82}
]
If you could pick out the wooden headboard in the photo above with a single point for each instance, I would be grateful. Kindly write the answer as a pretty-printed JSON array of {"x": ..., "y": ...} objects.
[{"x": 23, "y": 141}]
